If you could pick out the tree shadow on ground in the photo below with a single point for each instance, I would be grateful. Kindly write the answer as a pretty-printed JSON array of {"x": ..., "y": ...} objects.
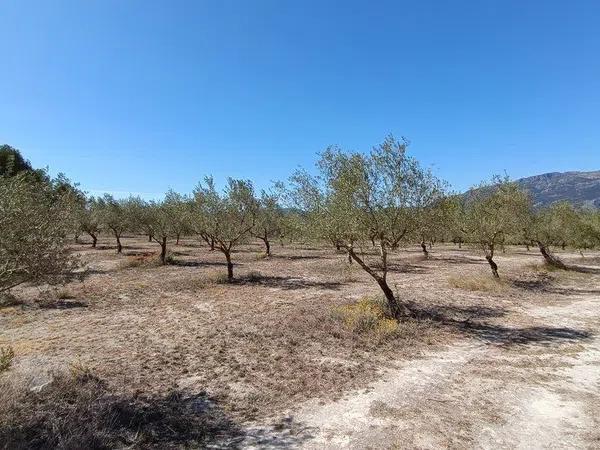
[
  {"x": 79, "y": 411},
  {"x": 288, "y": 283},
  {"x": 471, "y": 321},
  {"x": 406, "y": 268},
  {"x": 297, "y": 257},
  {"x": 457, "y": 259},
  {"x": 584, "y": 269},
  {"x": 61, "y": 304},
  {"x": 543, "y": 284},
  {"x": 183, "y": 263}
]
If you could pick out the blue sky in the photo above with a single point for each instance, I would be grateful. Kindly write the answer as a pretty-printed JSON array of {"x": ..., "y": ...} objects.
[{"x": 139, "y": 96}]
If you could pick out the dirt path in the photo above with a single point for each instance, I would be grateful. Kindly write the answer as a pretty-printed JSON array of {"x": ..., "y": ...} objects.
[{"x": 528, "y": 387}]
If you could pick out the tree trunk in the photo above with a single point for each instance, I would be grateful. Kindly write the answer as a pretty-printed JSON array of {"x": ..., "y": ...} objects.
[
  {"x": 550, "y": 258},
  {"x": 397, "y": 308},
  {"x": 163, "y": 251},
  {"x": 94, "y": 240},
  {"x": 149, "y": 237},
  {"x": 267, "y": 247},
  {"x": 119, "y": 246},
  {"x": 493, "y": 266},
  {"x": 424, "y": 248},
  {"x": 212, "y": 245},
  {"x": 527, "y": 245},
  {"x": 563, "y": 245},
  {"x": 177, "y": 238},
  {"x": 229, "y": 265}
]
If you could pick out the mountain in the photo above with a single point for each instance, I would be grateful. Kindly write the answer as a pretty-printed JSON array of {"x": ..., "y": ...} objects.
[{"x": 578, "y": 188}]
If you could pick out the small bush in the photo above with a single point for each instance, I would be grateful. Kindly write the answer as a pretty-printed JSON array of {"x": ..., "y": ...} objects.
[
  {"x": 368, "y": 315},
  {"x": 478, "y": 283},
  {"x": 7, "y": 354}
]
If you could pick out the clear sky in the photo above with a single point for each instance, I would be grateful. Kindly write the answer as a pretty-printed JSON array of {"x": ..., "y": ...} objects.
[{"x": 139, "y": 96}]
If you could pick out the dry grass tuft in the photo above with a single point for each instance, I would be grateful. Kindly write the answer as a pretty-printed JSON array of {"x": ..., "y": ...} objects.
[
  {"x": 7, "y": 354},
  {"x": 368, "y": 315},
  {"x": 479, "y": 283}
]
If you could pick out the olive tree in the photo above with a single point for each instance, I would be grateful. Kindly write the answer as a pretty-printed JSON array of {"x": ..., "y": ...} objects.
[
  {"x": 179, "y": 208},
  {"x": 225, "y": 218},
  {"x": 140, "y": 216},
  {"x": 269, "y": 223},
  {"x": 115, "y": 217},
  {"x": 90, "y": 219},
  {"x": 492, "y": 212},
  {"x": 34, "y": 224},
  {"x": 357, "y": 198},
  {"x": 433, "y": 221},
  {"x": 163, "y": 226},
  {"x": 553, "y": 226}
]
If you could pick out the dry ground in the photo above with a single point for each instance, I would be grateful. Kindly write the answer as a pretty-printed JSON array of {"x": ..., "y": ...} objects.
[{"x": 509, "y": 365}]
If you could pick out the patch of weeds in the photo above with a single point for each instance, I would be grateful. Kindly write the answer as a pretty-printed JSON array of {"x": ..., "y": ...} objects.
[
  {"x": 368, "y": 315},
  {"x": 253, "y": 276},
  {"x": 130, "y": 262},
  {"x": 542, "y": 268},
  {"x": 7, "y": 354},
  {"x": 218, "y": 278},
  {"x": 478, "y": 283}
]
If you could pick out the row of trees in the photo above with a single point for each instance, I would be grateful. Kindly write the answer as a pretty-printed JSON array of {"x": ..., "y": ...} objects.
[{"x": 364, "y": 204}]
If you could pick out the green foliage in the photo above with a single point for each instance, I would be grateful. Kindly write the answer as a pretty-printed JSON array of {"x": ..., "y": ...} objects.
[
  {"x": 361, "y": 198},
  {"x": 494, "y": 211},
  {"x": 12, "y": 163},
  {"x": 270, "y": 217},
  {"x": 227, "y": 218},
  {"x": 34, "y": 224},
  {"x": 555, "y": 225}
]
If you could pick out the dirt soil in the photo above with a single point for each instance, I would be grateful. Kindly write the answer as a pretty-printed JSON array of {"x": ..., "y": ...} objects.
[{"x": 516, "y": 365}]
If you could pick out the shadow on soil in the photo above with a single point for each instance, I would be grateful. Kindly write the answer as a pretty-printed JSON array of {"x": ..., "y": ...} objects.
[
  {"x": 471, "y": 321},
  {"x": 288, "y": 283}
]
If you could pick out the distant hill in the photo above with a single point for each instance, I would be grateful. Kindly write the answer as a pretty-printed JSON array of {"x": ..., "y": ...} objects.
[{"x": 578, "y": 188}]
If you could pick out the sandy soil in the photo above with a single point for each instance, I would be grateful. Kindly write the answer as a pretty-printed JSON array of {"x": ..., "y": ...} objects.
[{"x": 514, "y": 367}]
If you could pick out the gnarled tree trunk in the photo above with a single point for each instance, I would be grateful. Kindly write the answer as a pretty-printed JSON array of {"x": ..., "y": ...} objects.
[
  {"x": 229, "y": 265},
  {"x": 397, "y": 308},
  {"x": 94, "y": 239},
  {"x": 163, "y": 251},
  {"x": 424, "y": 248},
  {"x": 493, "y": 265},
  {"x": 550, "y": 259}
]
